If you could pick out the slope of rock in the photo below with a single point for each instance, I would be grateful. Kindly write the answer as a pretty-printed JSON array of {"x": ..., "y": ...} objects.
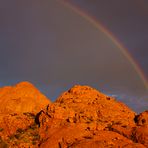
[
  {"x": 23, "y": 97},
  {"x": 92, "y": 105},
  {"x": 80, "y": 114},
  {"x": 19, "y": 130},
  {"x": 19, "y": 105},
  {"x": 81, "y": 117}
]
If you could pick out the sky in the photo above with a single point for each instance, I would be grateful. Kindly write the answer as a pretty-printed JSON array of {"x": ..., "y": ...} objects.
[
  {"x": 127, "y": 19},
  {"x": 48, "y": 44}
]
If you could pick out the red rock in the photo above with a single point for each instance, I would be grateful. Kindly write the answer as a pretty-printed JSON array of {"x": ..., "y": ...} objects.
[
  {"x": 81, "y": 117},
  {"x": 140, "y": 135},
  {"x": 74, "y": 136},
  {"x": 142, "y": 118},
  {"x": 10, "y": 123},
  {"x": 18, "y": 106},
  {"x": 126, "y": 131},
  {"x": 91, "y": 105},
  {"x": 84, "y": 108},
  {"x": 23, "y": 97}
]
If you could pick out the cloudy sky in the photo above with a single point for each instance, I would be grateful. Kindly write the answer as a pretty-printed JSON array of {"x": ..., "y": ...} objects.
[
  {"x": 48, "y": 44},
  {"x": 127, "y": 19}
]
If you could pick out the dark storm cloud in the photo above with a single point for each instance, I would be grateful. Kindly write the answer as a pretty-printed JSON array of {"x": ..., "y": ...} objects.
[{"x": 48, "y": 44}]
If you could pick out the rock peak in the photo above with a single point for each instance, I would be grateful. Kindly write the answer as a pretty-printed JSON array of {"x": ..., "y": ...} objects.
[
  {"x": 80, "y": 117},
  {"x": 80, "y": 93},
  {"x": 24, "y": 84},
  {"x": 22, "y": 97}
]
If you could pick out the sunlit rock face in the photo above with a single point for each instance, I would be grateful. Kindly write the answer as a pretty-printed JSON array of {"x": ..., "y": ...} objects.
[
  {"x": 90, "y": 105},
  {"x": 23, "y": 97},
  {"x": 80, "y": 117},
  {"x": 84, "y": 117},
  {"x": 18, "y": 106}
]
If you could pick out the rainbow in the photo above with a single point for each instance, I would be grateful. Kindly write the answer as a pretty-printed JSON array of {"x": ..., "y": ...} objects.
[{"x": 110, "y": 35}]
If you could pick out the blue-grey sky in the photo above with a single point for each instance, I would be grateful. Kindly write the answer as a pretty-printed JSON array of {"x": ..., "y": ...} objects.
[
  {"x": 51, "y": 46},
  {"x": 127, "y": 19}
]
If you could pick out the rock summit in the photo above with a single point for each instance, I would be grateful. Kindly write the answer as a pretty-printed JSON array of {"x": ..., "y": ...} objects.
[{"x": 81, "y": 117}]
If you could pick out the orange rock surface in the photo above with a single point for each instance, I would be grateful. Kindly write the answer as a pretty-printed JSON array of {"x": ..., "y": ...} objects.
[
  {"x": 23, "y": 97},
  {"x": 81, "y": 117},
  {"x": 18, "y": 106},
  {"x": 141, "y": 131}
]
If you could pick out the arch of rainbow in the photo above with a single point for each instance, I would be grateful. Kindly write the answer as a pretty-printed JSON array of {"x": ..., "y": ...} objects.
[{"x": 99, "y": 26}]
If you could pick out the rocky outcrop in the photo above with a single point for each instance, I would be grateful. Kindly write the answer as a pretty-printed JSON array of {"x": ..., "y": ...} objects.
[
  {"x": 23, "y": 97},
  {"x": 9, "y": 123},
  {"x": 91, "y": 105},
  {"x": 19, "y": 105},
  {"x": 140, "y": 133},
  {"x": 80, "y": 117},
  {"x": 142, "y": 119}
]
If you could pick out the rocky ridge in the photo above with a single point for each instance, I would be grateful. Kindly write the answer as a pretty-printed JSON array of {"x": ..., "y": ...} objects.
[{"x": 80, "y": 117}]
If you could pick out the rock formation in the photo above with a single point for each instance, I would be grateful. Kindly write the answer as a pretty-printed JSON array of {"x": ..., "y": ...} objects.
[
  {"x": 18, "y": 106},
  {"x": 81, "y": 117},
  {"x": 23, "y": 97}
]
